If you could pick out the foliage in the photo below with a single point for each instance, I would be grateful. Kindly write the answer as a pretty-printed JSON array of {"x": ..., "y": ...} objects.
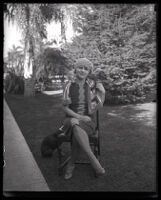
[
  {"x": 31, "y": 19},
  {"x": 120, "y": 40},
  {"x": 15, "y": 60},
  {"x": 13, "y": 84},
  {"x": 50, "y": 62}
]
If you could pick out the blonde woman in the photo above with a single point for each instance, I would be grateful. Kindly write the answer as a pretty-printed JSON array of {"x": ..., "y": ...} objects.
[{"x": 81, "y": 98}]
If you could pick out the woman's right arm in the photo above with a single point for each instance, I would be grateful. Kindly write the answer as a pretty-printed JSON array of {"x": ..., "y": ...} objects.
[
  {"x": 73, "y": 114},
  {"x": 70, "y": 112}
]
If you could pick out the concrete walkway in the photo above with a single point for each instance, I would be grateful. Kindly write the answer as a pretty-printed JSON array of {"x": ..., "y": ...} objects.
[{"x": 20, "y": 171}]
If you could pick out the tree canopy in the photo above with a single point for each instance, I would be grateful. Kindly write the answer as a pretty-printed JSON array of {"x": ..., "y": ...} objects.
[{"x": 120, "y": 40}]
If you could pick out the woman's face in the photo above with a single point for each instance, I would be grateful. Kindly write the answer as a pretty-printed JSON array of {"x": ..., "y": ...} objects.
[{"x": 82, "y": 72}]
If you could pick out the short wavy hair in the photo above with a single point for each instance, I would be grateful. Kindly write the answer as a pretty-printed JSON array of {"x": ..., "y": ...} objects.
[{"x": 85, "y": 62}]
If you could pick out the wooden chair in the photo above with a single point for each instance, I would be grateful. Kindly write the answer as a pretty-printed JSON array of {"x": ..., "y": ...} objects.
[{"x": 94, "y": 142}]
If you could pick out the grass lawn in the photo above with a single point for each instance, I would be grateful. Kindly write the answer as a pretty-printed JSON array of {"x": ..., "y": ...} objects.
[{"x": 128, "y": 144}]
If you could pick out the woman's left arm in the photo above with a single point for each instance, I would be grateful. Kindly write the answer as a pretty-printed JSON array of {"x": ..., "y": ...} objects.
[{"x": 101, "y": 91}]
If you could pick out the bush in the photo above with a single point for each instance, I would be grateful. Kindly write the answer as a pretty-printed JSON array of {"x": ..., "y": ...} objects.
[
  {"x": 123, "y": 45},
  {"x": 115, "y": 94},
  {"x": 13, "y": 84}
]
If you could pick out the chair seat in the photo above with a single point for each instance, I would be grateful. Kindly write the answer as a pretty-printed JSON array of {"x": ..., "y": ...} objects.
[{"x": 93, "y": 138}]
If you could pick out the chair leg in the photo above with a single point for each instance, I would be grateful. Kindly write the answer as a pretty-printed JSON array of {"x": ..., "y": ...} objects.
[
  {"x": 62, "y": 165},
  {"x": 59, "y": 151},
  {"x": 96, "y": 150},
  {"x": 61, "y": 162},
  {"x": 99, "y": 152}
]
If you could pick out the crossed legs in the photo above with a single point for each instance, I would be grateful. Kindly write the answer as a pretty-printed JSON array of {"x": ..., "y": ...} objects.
[{"x": 80, "y": 139}]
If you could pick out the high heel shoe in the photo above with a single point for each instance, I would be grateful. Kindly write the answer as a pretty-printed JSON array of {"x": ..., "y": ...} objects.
[{"x": 100, "y": 173}]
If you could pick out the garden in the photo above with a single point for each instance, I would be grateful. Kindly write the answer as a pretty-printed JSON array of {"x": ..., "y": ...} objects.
[{"x": 120, "y": 41}]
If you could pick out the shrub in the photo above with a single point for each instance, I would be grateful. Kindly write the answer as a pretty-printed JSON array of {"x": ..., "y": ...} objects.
[{"x": 13, "y": 84}]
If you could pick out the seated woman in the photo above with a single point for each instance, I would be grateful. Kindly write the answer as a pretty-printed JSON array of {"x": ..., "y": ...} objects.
[{"x": 81, "y": 98}]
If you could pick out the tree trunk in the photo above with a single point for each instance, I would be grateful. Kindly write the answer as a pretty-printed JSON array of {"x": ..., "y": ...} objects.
[
  {"x": 29, "y": 77},
  {"x": 29, "y": 59},
  {"x": 63, "y": 27},
  {"x": 29, "y": 87}
]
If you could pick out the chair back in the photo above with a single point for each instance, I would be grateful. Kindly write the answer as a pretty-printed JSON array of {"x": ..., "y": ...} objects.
[{"x": 97, "y": 120}]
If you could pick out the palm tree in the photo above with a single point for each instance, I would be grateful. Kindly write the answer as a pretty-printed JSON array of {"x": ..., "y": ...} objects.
[
  {"x": 31, "y": 21},
  {"x": 15, "y": 57}
]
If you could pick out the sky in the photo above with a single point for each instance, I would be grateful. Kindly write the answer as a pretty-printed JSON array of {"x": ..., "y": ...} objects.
[{"x": 12, "y": 36}]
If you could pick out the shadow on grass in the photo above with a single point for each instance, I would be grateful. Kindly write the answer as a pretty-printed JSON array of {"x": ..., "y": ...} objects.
[{"x": 128, "y": 145}]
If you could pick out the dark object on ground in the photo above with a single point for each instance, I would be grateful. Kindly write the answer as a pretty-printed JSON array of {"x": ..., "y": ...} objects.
[{"x": 50, "y": 143}]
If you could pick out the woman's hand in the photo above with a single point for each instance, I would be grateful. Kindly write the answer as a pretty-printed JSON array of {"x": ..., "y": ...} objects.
[
  {"x": 84, "y": 118},
  {"x": 100, "y": 87},
  {"x": 72, "y": 114}
]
